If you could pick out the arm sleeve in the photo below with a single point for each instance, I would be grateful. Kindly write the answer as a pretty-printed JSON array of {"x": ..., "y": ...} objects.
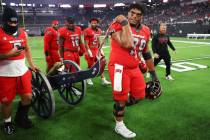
[
  {"x": 170, "y": 44},
  {"x": 47, "y": 39}
]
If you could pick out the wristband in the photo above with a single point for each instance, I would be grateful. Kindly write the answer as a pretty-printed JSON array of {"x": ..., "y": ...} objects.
[{"x": 124, "y": 22}]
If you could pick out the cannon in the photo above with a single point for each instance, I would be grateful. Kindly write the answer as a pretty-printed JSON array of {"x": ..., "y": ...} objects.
[{"x": 69, "y": 82}]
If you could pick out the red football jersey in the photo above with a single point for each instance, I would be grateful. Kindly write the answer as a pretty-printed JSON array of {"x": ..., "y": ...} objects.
[
  {"x": 71, "y": 38},
  {"x": 128, "y": 57},
  {"x": 50, "y": 39},
  {"x": 141, "y": 38},
  {"x": 92, "y": 37},
  {"x": 9, "y": 42}
]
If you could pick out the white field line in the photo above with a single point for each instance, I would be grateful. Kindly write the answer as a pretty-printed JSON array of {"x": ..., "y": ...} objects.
[
  {"x": 183, "y": 60},
  {"x": 205, "y": 44},
  {"x": 191, "y": 42},
  {"x": 191, "y": 59},
  {"x": 192, "y": 47}
]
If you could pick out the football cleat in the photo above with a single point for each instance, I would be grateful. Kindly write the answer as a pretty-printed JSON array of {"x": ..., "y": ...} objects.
[
  {"x": 169, "y": 78},
  {"x": 124, "y": 131},
  {"x": 8, "y": 128},
  {"x": 105, "y": 82}
]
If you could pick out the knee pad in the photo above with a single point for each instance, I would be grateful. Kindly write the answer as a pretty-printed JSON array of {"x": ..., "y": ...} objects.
[{"x": 118, "y": 110}]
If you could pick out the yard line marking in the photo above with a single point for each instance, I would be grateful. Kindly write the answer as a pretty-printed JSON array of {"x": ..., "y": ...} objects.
[
  {"x": 192, "y": 47},
  {"x": 183, "y": 60},
  {"x": 191, "y": 42},
  {"x": 190, "y": 59}
]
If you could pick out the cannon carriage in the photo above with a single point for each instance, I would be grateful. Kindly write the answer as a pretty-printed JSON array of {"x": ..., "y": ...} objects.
[{"x": 69, "y": 82}]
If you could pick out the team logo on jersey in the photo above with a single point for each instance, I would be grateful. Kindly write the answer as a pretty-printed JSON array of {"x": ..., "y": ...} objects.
[
  {"x": 163, "y": 40},
  {"x": 16, "y": 41},
  {"x": 138, "y": 36}
]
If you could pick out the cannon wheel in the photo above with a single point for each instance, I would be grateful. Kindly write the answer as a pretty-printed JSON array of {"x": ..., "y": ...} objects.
[
  {"x": 74, "y": 93},
  {"x": 43, "y": 101}
]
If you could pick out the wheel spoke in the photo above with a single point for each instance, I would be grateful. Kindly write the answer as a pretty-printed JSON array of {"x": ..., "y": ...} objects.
[
  {"x": 72, "y": 98},
  {"x": 80, "y": 90},
  {"x": 47, "y": 99},
  {"x": 67, "y": 94},
  {"x": 62, "y": 90},
  {"x": 39, "y": 106},
  {"x": 43, "y": 99},
  {"x": 74, "y": 93},
  {"x": 45, "y": 109}
]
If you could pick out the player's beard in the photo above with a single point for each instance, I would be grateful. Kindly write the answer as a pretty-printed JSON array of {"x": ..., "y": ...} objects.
[
  {"x": 10, "y": 29},
  {"x": 94, "y": 27},
  {"x": 56, "y": 28},
  {"x": 71, "y": 28}
]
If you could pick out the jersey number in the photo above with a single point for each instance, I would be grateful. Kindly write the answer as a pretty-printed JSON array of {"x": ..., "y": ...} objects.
[
  {"x": 139, "y": 43},
  {"x": 16, "y": 45},
  {"x": 75, "y": 41},
  {"x": 95, "y": 39}
]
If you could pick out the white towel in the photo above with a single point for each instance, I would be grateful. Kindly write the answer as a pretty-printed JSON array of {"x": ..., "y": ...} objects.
[{"x": 118, "y": 71}]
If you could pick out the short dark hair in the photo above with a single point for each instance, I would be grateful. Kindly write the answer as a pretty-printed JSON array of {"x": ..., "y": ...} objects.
[
  {"x": 138, "y": 6},
  {"x": 93, "y": 19},
  {"x": 70, "y": 20}
]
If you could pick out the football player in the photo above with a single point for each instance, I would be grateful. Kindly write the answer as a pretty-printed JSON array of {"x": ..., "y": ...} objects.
[
  {"x": 128, "y": 37},
  {"x": 15, "y": 77},
  {"x": 51, "y": 47},
  {"x": 71, "y": 45},
  {"x": 92, "y": 42}
]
